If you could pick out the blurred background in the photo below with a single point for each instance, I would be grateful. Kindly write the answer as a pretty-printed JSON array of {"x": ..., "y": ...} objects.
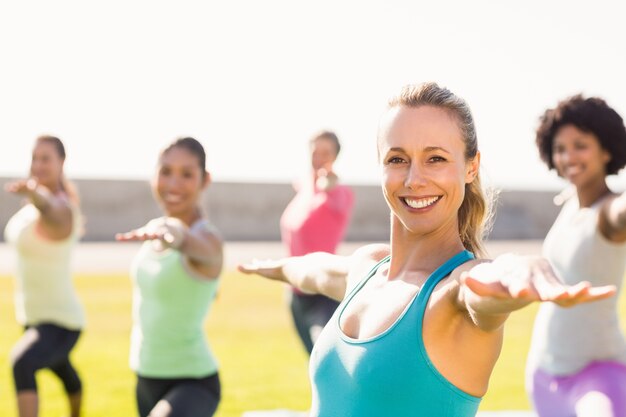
[
  {"x": 116, "y": 81},
  {"x": 253, "y": 81}
]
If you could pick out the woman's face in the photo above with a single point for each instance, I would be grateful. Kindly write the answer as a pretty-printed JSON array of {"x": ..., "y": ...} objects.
[
  {"x": 46, "y": 165},
  {"x": 323, "y": 154},
  {"x": 578, "y": 156},
  {"x": 422, "y": 154},
  {"x": 179, "y": 182}
]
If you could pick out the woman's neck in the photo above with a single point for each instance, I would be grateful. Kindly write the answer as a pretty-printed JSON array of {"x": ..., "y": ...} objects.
[
  {"x": 189, "y": 218},
  {"x": 55, "y": 188},
  {"x": 426, "y": 252},
  {"x": 590, "y": 193}
]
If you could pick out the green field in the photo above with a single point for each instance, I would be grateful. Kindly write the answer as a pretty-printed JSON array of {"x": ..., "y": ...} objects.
[{"x": 262, "y": 363}]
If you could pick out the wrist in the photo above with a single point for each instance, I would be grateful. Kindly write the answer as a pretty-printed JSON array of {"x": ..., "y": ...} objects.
[{"x": 175, "y": 233}]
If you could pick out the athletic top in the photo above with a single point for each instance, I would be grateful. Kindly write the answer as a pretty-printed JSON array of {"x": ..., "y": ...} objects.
[
  {"x": 44, "y": 290},
  {"x": 389, "y": 374},
  {"x": 170, "y": 302},
  {"x": 316, "y": 220},
  {"x": 565, "y": 340}
]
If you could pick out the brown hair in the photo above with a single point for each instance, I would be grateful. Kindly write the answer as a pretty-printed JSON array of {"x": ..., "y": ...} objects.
[
  {"x": 328, "y": 135},
  {"x": 67, "y": 186},
  {"x": 192, "y": 146},
  {"x": 474, "y": 215}
]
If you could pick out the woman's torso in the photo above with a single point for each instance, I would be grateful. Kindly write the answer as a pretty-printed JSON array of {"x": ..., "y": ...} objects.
[
  {"x": 170, "y": 303},
  {"x": 44, "y": 290},
  {"x": 316, "y": 220},
  {"x": 565, "y": 340},
  {"x": 388, "y": 374}
]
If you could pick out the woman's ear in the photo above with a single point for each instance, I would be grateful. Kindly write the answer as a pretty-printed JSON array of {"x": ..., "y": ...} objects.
[
  {"x": 207, "y": 180},
  {"x": 472, "y": 167},
  {"x": 606, "y": 156}
]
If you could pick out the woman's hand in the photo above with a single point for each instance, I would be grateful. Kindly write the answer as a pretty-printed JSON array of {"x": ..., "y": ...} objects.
[
  {"x": 170, "y": 232},
  {"x": 21, "y": 187},
  {"x": 269, "y": 268},
  {"x": 326, "y": 178},
  {"x": 314, "y": 273},
  {"x": 29, "y": 188},
  {"x": 529, "y": 279}
]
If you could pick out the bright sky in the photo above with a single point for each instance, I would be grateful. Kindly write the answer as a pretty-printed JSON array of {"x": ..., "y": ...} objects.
[{"x": 252, "y": 80}]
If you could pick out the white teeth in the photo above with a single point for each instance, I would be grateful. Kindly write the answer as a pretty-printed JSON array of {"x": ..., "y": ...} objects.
[
  {"x": 573, "y": 170},
  {"x": 421, "y": 203},
  {"x": 172, "y": 198}
]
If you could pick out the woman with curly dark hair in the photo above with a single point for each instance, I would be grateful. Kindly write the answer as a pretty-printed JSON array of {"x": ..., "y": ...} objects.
[{"x": 577, "y": 360}]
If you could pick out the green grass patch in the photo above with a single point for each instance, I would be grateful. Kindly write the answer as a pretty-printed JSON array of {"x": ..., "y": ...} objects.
[{"x": 263, "y": 365}]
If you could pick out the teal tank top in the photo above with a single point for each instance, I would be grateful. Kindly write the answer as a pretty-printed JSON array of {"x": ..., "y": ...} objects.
[
  {"x": 170, "y": 304},
  {"x": 389, "y": 374}
]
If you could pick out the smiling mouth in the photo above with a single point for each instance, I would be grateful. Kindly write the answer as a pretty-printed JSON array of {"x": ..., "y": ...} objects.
[
  {"x": 172, "y": 199},
  {"x": 420, "y": 203},
  {"x": 572, "y": 170}
]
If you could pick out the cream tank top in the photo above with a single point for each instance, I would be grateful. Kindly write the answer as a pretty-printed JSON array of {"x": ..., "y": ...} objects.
[
  {"x": 44, "y": 289},
  {"x": 565, "y": 340}
]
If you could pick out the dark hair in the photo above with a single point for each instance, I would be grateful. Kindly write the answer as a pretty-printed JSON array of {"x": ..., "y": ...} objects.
[
  {"x": 192, "y": 146},
  {"x": 591, "y": 115},
  {"x": 328, "y": 135},
  {"x": 475, "y": 213},
  {"x": 54, "y": 141}
]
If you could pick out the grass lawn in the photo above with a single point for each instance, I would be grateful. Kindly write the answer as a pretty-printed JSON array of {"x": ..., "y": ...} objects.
[{"x": 262, "y": 363}]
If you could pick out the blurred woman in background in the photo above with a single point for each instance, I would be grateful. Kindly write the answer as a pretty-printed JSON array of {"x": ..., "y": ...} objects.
[
  {"x": 175, "y": 279},
  {"x": 44, "y": 232},
  {"x": 316, "y": 220},
  {"x": 577, "y": 360}
]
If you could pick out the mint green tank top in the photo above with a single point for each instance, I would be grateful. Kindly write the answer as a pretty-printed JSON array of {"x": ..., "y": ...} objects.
[
  {"x": 169, "y": 307},
  {"x": 389, "y": 374}
]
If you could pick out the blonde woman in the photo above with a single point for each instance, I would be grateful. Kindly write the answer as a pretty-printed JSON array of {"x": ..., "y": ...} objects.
[{"x": 420, "y": 324}]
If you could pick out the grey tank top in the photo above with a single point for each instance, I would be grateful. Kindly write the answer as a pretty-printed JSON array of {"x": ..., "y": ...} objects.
[{"x": 565, "y": 340}]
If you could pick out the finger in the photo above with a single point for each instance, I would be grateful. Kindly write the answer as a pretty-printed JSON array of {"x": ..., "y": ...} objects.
[
  {"x": 31, "y": 184},
  {"x": 580, "y": 289},
  {"x": 549, "y": 287},
  {"x": 138, "y": 234},
  {"x": 168, "y": 238},
  {"x": 246, "y": 269},
  {"x": 520, "y": 286},
  {"x": 585, "y": 294},
  {"x": 14, "y": 187},
  {"x": 598, "y": 293},
  {"x": 123, "y": 237}
]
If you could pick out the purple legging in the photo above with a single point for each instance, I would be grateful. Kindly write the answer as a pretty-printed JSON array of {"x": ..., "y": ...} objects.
[{"x": 557, "y": 396}]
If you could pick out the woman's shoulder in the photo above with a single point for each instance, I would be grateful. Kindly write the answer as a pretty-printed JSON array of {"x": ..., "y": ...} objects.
[
  {"x": 203, "y": 227},
  {"x": 457, "y": 273},
  {"x": 374, "y": 252}
]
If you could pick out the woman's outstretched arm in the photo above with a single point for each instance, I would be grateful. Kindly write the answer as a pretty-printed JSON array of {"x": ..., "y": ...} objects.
[{"x": 490, "y": 291}]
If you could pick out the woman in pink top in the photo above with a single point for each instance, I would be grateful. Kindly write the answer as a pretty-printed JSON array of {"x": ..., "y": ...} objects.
[{"x": 316, "y": 221}]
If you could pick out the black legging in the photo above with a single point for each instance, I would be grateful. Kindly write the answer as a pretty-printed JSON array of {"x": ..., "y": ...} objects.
[
  {"x": 45, "y": 346},
  {"x": 309, "y": 310},
  {"x": 187, "y": 397}
]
